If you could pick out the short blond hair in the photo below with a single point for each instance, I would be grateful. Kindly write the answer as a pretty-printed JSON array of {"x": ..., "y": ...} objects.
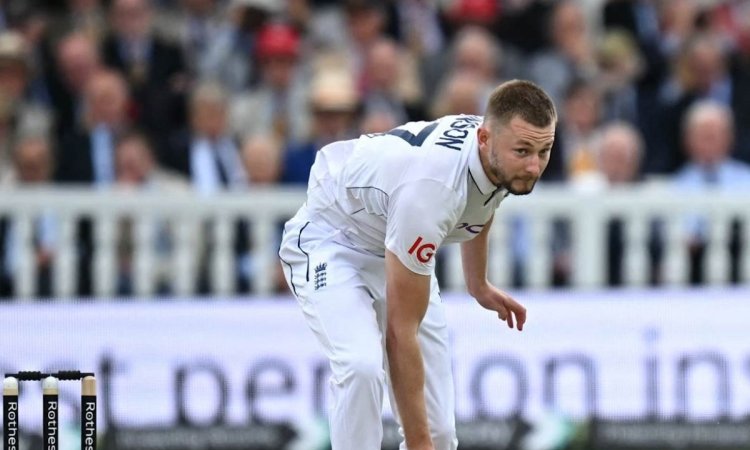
[{"x": 523, "y": 99}]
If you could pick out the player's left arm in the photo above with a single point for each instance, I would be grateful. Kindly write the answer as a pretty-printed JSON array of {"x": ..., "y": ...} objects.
[{"x": 474, "y": 259}]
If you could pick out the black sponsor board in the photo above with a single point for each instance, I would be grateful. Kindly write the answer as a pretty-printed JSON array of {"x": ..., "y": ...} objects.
[
  {"x": 475, "y": 435},
  {"x": 241, "y": 437},
  {"x": 665, "y": 435}
]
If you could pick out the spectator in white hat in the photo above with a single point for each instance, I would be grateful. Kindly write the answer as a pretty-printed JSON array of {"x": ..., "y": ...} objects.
[{"x": 334, "y": 104}]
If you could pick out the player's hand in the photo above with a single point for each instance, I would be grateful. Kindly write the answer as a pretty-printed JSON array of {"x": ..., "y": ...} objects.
[{"x": 504, "y": 305}]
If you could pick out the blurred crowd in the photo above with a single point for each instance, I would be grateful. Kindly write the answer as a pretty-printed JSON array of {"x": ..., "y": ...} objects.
[{"x": 212, "y": 95}]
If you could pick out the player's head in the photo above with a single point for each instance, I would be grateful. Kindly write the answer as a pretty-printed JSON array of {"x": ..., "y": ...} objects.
[{"x": 516, "y": 136}]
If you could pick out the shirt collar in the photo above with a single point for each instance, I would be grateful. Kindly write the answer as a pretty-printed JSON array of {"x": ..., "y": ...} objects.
[{"x": 478, "y": 174}]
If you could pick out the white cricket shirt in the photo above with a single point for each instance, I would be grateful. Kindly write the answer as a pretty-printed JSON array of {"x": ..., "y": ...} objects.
[{"x": 409, "y": 190}]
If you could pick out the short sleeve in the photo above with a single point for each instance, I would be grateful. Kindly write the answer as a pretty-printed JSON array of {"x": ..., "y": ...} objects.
[{"x": 420, "y": 216}]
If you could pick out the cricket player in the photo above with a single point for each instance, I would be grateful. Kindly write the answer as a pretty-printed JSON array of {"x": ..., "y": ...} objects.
[{"x": 359, "y": 256}]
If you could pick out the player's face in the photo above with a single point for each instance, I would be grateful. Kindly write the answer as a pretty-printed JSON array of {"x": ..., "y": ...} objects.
[{"x": 516, "y": 153}]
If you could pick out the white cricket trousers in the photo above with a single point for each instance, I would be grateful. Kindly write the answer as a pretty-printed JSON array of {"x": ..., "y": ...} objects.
[{"x": 342, "y": 295}]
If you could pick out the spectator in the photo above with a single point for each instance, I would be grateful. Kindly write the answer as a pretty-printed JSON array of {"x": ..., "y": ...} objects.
[
  {"x": 261, "y": 158},
  {"x": 77, "y": 60},
  {"x": 205, "y": 36},
  {"x": 31, "y": 23},
  {"x": 377, "y": 122},
  {"x": 730, "y": 21},
  {"x": 701, "y": 73},
  {"x": 619, "y": 151},
  {"x": 478, "y": 52},
  {"x": 136, "y": 166},
  {"x": 473, "y": 50},
  {"x": 573, "y": 160},
  {"x": 86, "y": 154},
  {"x": 461, "y": 94},
  {"x": 708, "y": 134},
  {"x": 679, "y": 19},
  {"x": 619, "y": 68},
  {"x": 573, "y": 156},
  {"x": 363, "y": 23},
  {"x": 137, "y": 169},
  {"x": 702, "y": 70},
  {"x": 570, "y": 55},
  {"x": 524, "y": 24},
  {"x": 32, "y": 168},
  {"x": 82, "y": 16},
  {"x": 206, "y": 153},
  {"x": 247, "y": 18},
  {"x": 153, "y": 67},
  {"x": 278, "y": 104},
  {"x": 334, "y": 103},
  {"x": 640, "y": 20},
  {"x": 729, "y": 17},
  {"x": 417, "y": 26},
  {"x": 300, "y": 14},
  {"x": 261, "y": 155},
  {"x": 463, "y": 13},
  {"x": 391, "y": 83},
  {"x": 18, "y": 115}
]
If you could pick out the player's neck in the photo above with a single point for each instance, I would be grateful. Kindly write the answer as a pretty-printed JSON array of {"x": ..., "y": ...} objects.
[{"x": 484, "y": 158}]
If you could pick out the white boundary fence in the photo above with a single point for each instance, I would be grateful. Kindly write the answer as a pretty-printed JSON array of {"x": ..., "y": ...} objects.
[{"x": 264, "y": 209}]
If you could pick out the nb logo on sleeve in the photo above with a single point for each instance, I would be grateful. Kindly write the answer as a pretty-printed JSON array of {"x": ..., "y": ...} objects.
[{"x": 423, "y": 252}]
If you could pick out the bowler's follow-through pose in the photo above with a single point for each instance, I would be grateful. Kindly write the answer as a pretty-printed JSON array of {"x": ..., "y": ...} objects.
[{"x": 359, "y": 256}]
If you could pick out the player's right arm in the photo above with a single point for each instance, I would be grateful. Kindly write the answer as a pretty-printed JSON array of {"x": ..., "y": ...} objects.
[
  {"x": 407, "y": 295},
  {"x": 420, "y": 214}
]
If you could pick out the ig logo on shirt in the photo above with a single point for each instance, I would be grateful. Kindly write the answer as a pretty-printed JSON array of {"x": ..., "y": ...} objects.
[{"x": 423, "y": 252}]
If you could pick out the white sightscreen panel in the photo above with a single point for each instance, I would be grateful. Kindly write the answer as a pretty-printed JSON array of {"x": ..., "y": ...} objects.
[{"x": 617, "y": 354}]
